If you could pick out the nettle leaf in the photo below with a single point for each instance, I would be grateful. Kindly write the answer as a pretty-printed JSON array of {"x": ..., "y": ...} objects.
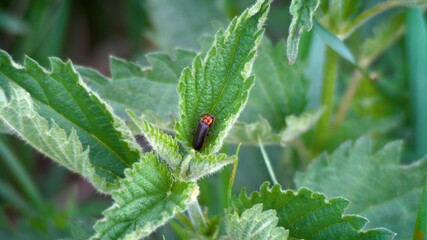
[
  {"x": 166, "y": 68},
  {"x": 147, "y": 198},
  {"x": 280, "y": 90},
  {"x": 308, "y": 215},
  {"x": 60, "y": 95},
  {"x": 302, "y": 19},
  {"x": 165, "y": 145},
  {"x": 299, "y": 125},
  {"x": 132, "y": 87},
  {"x": 248, "y": 134},
  {"x": 197, "y": 165},
  {"x": 220, "y": 83},
  {"x": 187, "y": 22},
  {"x": 379, "y": 188},
  {"x": 20, "y": 115},
  {"x": 254, "y": 224}
]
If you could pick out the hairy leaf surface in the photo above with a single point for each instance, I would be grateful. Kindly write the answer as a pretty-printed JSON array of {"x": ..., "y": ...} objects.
[
  {"x": 255, "y": 224},
  {"x": 148, "y": 197},
  {"x": 200, "y": 165},
  {"x": 220, "y": 83},
  {"x": 20, "y": 115},
  {"x": 379, "y": 188},
  {"x": 302, "y": 19},
  {"x": 308, "y": 215},
  {"x": 61, "y": 95},
  {"x": 165, "y": 145}
]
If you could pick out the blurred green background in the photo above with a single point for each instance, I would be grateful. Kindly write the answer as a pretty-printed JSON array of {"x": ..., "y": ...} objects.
[{"x": 39, "y": 200}]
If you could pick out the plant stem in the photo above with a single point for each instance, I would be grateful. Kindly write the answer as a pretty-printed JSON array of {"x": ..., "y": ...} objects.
[
  {"x": 267, "y": 162},
  {"x": 196, "y": 215},
  {"x": 348, "y": 96},
  {"x": 232, "y": 176},
  {"x": 328, "y": 92},
  {"x": 372, "y": 12}
]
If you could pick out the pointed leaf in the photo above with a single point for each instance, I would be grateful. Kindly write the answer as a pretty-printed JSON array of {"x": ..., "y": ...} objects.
[
  {"x": 302, "y": 19},
  {"x": 148, "y": 197},
  {"x": 248, "y": 134},
  {"x": 220, "y": 83},
  {"x": 334, "y": 42},
  {"x": 62, "y": 96},
  {"x": 299, "y": 125},
  {"x": 197, "y": 165},
  {"x": 378, "y": 187},
  {"x": 255, "y": 224},
  {"x": 164, "y": 145},
  {"x": 308, "y": 215},
  {"x": 19, "y": 114}
]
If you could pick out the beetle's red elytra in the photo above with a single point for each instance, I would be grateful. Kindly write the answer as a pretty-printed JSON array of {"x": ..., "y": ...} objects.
[{"x": 202, "y": 131}]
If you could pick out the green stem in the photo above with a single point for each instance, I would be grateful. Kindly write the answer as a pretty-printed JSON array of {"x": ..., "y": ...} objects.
[
  {"x": 232, "y": 176},
  {"x": 196, "y": 215},
  {"x": 267, "y": 162},
  {"x": 21, "y": 176},
  {"x": 372, "y": 12},
  {"x": 328, "y": 92},
  {"x": 348, "y": 97},
  {"x": 420, "y": 229}
]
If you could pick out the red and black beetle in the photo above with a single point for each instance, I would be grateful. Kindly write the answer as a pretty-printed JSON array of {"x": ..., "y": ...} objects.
[{"x": 202, "y": 131}]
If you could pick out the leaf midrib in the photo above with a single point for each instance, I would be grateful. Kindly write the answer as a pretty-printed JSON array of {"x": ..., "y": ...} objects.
[{"x": 39, "y": 102}]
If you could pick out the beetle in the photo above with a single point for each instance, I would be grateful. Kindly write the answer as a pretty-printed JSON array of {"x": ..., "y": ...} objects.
[{"x": 202, "y": 131}]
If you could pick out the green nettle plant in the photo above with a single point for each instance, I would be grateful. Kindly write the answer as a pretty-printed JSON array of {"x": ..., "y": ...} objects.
[{"x": 63, "y": 113}]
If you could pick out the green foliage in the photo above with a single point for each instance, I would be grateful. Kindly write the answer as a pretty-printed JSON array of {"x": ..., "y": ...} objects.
[
  {"x": 60, "y": 95},
  {"x": 377, "y": 186},
  {"x": 193, "y": 19},
  {"x": 130, "y": 87},
  {"x": 280, "y": 90},
  {"x": 308, "y": 215},
  {"x": 20, "y": 115},
  {"x": 248, "y": 133},
  {"x": 64, "y": 115},
  {"x": 334, "y": 42},
  {"x": 420, "y": 230},
  {"x": 416, "y": 43},
  {"x": 302, "y": 19},
  {"x": 199, "y": 165},
  {"x": 298, "y": 125},
  {"x": 12, "y": 24},
  {"x": 163, "y": 144},
  {"x": 147, "y": 198},
  {"x": 255, "y": 224},
  {"x": 220, "y": 83},
  {"x": 167, "y": 70},
  {"x": 295, "y": 127}
]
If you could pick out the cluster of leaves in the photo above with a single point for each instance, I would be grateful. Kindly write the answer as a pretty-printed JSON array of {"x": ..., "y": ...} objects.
[{"x": 76, "y": 116}]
